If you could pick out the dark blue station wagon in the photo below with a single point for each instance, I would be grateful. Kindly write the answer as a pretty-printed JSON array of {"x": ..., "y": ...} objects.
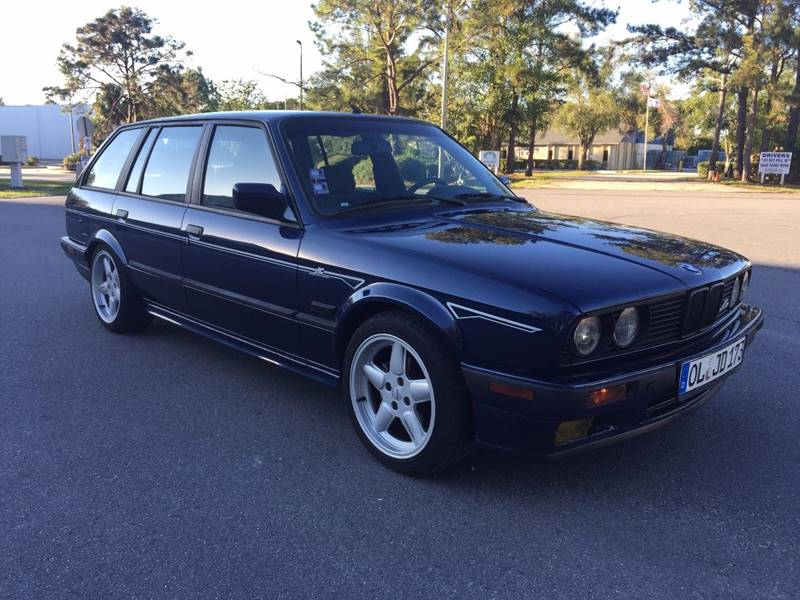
[{"x": 378, "y": 255}]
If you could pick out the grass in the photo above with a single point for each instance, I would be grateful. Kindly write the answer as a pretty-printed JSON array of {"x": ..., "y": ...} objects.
[
  {"x": 34, "y": 187},
  {"x": 541, "y": 177}
]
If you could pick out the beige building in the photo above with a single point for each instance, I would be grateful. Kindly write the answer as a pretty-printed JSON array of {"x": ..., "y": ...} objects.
[{"x": 611, "y": 149}]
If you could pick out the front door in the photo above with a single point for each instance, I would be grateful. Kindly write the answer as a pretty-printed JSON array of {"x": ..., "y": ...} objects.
[{"x": 240, "y": 268}]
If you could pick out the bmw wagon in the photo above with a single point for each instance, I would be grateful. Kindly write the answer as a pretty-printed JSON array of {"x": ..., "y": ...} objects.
[{"x": 378, "y": 255}]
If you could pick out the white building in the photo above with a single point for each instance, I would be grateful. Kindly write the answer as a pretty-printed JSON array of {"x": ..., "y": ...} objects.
[{"x": 50, "y": 128}]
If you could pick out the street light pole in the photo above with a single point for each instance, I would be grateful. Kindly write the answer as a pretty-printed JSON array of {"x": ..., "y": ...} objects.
[
  {"x": 299, "y": 43},
  {"x": 445, "y": 65},
  {"x": 646, "y": 90}
]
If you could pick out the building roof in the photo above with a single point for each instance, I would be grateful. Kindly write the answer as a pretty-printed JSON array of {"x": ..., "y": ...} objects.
[{"x": 556, "y": 136}]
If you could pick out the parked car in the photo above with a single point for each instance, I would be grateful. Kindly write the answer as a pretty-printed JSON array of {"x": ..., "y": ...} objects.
[{"x": 377, "y": 254}]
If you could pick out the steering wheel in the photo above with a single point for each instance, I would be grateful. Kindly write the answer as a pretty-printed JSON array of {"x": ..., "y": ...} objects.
[{"x": 425, "y": 182}]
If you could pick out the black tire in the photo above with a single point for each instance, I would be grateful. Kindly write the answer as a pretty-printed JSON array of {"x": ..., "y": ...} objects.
[
  {"x": 452, "y": 437},
  {"x": 131, "y": 316}
]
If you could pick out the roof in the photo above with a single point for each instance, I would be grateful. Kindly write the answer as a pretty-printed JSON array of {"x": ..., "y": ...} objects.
[
  {"x": 273, "y": 116},
  {"x": 555, "y": 135}
]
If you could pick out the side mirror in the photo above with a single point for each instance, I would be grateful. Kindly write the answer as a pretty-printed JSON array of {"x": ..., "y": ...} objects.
[
  {"x": 505, "y": 179},
  {"x": 260, "y": 199}
]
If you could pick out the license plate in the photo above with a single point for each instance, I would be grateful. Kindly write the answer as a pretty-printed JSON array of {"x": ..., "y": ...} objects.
[{"x": 697, "y": 373}]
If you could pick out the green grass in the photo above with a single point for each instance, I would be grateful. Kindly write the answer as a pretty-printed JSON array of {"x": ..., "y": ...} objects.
[{"x": 34, "y": 187}]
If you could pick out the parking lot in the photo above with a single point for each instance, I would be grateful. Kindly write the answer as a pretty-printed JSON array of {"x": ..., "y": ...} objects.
[{"x": 164, "y": 465}]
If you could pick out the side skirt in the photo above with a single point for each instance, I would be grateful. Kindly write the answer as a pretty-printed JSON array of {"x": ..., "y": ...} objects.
[{"x": 293, "y": 363}]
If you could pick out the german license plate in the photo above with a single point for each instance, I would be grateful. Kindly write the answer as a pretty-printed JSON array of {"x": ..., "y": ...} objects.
[{"x": 700, "y": 371}]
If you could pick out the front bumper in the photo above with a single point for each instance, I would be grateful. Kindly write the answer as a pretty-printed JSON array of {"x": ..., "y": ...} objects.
[{"x": 529, "y": 425}]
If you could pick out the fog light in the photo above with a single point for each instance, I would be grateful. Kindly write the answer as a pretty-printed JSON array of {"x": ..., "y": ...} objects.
[
  {"x": 572, "y": 430},
  {"x": 607, "y": 395}
]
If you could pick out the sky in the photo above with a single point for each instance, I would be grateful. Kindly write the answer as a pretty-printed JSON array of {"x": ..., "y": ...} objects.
[{"x": 235, "y": 40}]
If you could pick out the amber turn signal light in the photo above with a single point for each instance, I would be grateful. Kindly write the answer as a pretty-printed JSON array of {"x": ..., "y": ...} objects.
[
  {"x": 607, "y": 395},
  {"x": 510, "y": 390}
]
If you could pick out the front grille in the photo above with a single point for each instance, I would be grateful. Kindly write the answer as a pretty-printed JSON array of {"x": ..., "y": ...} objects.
[
  {"x": 668, "y": 319},
  {"x": 665, "y": 320}
]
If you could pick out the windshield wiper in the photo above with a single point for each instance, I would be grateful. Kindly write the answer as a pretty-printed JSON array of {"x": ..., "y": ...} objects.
[
  {"x": 486, "y": 196},
  {"x": 398, "y": 199}
]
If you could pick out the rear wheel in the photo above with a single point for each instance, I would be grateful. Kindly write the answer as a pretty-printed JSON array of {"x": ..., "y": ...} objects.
[
  {"x": 406, "y": 395},
  {"x": 116, "y": 302}
]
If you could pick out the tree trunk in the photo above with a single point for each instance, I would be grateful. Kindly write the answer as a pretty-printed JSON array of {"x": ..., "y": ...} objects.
[
  {"x": 741, "y": 128},
  {"x": 511, "y": 155},
  {"x": 794, "y": 112},
  {"x": 392, "y": 103},
  {"x": 723, "y": 93},
  {"x": 773, "y": 80},
  {"x": 583, "y": 154},
  {"x": 531, "y": 148},
  {"x": 748, "y": 145}
]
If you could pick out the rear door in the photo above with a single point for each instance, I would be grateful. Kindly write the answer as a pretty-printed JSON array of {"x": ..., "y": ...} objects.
[
  {"x": 240, "y": 268},
  {"x": 150, "y": 207}
]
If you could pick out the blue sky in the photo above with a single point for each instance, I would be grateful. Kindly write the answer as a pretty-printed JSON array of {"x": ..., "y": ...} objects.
[{"x": 233, "y": 40}]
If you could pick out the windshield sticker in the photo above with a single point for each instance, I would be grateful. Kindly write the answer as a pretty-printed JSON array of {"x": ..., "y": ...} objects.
[{"x": 318, "y": 181}]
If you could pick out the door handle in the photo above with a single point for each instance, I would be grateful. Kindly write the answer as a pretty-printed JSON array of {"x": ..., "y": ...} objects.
[
  {"x": 194, "y": 231},
  {"x": 122, "y": 213}
]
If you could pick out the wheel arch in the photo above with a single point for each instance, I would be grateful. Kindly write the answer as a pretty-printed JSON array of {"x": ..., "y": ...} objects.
[
  {"x": 104, "y": 236},
  {"x": 383, "y": 297}
]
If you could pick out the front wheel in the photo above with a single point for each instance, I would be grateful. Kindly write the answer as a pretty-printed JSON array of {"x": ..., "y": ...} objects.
[{"x": 406, "y": 395}]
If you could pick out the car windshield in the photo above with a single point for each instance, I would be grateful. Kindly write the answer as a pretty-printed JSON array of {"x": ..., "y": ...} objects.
[{"x": 352, "y": 164}]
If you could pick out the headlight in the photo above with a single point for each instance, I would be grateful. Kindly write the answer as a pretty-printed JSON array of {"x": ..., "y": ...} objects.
[
  {"x": 627, "y": 327},
  {"x": 587, "y": 336},
  {"x": 745, "y": 283},
  {"x": 735, "y": 292}
]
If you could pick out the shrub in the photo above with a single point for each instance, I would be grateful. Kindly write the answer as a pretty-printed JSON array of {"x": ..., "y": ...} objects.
[
  {"x": 31, "y": 161},
  {"x": 70, "y": 160},
  {"x": 702, "y": 169},
  {"x": 593, "y": 165}
]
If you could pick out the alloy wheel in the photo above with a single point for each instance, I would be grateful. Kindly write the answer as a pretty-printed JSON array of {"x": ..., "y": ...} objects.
[{"x": 392, "y": 396}]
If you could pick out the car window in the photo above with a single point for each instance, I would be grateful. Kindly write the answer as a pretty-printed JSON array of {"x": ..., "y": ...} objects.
[
  {"x": 106, "y": 169},
  {"x": 167, "y": 172},
  {"x": 238, "y": 154},
  {"x": 138, "y": 166}
]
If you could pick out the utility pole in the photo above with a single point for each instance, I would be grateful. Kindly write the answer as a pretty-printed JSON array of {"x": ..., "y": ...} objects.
[
  {"x": 445, "y": 65},
  {"x": 299, "y": 43},
  {"x": 646, "y": 90}
]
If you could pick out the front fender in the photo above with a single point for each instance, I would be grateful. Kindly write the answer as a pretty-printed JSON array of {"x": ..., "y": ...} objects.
[{"x": 378, "y": 296}]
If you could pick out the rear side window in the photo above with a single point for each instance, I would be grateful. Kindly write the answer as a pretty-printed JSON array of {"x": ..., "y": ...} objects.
[
  {"x": 106, "y": 169},
  {"x": 238, "y": 154},
  {"x": 138, "y": 166},
  {"x": 167, "y": 172}
]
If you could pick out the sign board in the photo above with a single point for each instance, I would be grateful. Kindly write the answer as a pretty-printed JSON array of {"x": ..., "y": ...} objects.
[
  {"x": 84, "y": 126},
  {"x": 491, "y": 158},
  {"x": 777, "y": 163},
  {"x": 13, "y": 148}
]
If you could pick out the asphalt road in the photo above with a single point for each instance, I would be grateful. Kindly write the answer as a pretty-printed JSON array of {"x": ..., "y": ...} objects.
[{"x": 164, "y": 466}]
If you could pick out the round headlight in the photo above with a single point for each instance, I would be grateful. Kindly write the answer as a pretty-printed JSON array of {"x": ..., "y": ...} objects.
[
  {"x": 735, "y": 292},
  {"x": 627, "y": 327},
  {"x": 745, "y": 283},
  {"x": 587, "y": 336}
]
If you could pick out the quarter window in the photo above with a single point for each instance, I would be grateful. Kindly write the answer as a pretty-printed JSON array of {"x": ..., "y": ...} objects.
[
  {"x": 106, "y": 169},
  {"x": 167, "y": 172},
  {"x": 138, "y": 165},
  {"x": 238, "y": 154}
]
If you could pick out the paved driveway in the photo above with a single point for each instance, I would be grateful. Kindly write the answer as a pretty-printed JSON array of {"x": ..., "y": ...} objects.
[{"x": 163, "y": 465}]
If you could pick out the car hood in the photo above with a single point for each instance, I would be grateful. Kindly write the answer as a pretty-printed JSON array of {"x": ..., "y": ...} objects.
[{"x": 591, "y": 264}]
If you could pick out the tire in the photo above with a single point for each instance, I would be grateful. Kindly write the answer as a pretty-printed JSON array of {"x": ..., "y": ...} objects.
[
  {"x": 384, "y": 389},
  {"x": 117, "y": 303}
]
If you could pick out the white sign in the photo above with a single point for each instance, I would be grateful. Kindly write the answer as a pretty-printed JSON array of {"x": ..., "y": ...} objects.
[
  {"x": 774, "y": 162},
  {"x": 491, "y": 158}
]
